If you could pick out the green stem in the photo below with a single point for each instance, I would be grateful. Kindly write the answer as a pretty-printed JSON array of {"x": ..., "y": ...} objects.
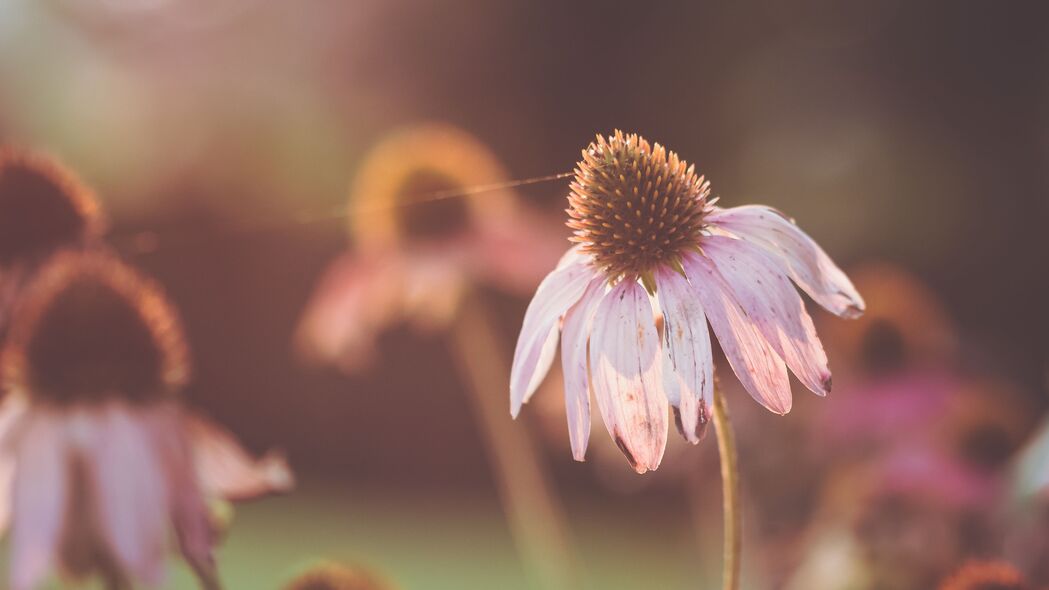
[
  {"x": 730, "y": 492},
  {"x": 535, "y": 517}
]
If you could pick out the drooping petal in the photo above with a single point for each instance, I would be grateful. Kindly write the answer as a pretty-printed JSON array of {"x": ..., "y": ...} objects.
[
  {"x": 131, "y": 490},
  {"x": 758, "y": 367},
  {"x": 686, "y": 342},
  {"x": 803, "y": 260},
  {"x": 626, "y": 367},
  {"x": 574, "y": 363},
  {"x": 433, "y": 284},
  {"x": 40, "y": 493},
  {"x": 188, "y": 509},
  {"x": 357, "y": 297},
  {"x": 226, "y": 470},
  {"x": 12, "y": 413},
  {"x": 537, "y": 342},
  {"x": 771, "y": 302}
]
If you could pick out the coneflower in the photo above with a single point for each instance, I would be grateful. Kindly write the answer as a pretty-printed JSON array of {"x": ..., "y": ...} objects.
[
  {"x": 650, "y": 239},
  {"x": 102, "y": 459},
  {"x": 415, "y": 252},
  {"x": 433, "y": 219},
  {"x": 43, "y": 208}
]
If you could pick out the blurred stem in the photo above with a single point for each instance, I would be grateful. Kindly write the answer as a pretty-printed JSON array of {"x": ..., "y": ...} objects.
[
  {"x": 535, "y": 517},
  {"x": 730, "y": 491}
]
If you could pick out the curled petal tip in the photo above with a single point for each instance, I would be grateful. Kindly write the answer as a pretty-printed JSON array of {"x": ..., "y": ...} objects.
[
  {"x": 853, "y": 311},
  {"x": 275, "y": 469},
  {"x": 827, "y": 383}
]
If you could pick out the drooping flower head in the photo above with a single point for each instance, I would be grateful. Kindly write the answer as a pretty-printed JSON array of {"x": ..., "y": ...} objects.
[
  {"x": 98, "y": 457},
  {"x": 422, "y": 237},
  {"x": 92, "y": 329},
  {"x": 650, "y": 240},
  {"x": 43, "y": 208}
]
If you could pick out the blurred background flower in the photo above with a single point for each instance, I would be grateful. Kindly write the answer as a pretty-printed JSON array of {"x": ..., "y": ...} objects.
[{"x": 222, "y": 135}]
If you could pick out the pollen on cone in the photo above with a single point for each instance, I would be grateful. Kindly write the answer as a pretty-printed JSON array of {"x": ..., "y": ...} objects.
[{"x": 635, "y": 205}]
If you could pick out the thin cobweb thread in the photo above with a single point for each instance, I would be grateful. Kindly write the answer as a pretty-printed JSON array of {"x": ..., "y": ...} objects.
[{"x": 147, "y": 240}]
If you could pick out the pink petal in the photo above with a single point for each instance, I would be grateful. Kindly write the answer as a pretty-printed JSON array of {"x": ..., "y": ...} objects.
[
  {"x": 802, "y": 258},
  {"x": 574, "y": 363},
  {"x": 40, "y": 494},
  {"x": 517, "y": 251},
  {"x": 12, "y": 413},
  {"x": 357, "y": 297},
  {"x": 226, "y": 470},
  {"x": 772, "y": 303},
  {"x": 755, "y": 363},
  {"x": 433, "y": 283},
  {"x": 131, "y": 490},
  {"x": 626, "y": 366},
  {"x": 189, "y": 513},
  {"x": 537, "y": 342},
  {"x": 686, "y": 341}
]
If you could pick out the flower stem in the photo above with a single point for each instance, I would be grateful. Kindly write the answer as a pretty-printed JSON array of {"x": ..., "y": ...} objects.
[
  {"x": 535, "y": 517},
  {"x": 730, "y": 492}
]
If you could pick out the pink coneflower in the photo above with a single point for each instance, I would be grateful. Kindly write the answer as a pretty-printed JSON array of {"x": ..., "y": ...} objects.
[
  {"x": 43, "y": 208},
  {"x": 415, "y": 256},
  {"x": 650, "y": 241},
  {"x": 100, "y": 458}
]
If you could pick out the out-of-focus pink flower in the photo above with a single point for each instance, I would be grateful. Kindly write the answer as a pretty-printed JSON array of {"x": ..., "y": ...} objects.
[
  {"x": 98, "y": 457},
  {"x": 882, "y": 410},
  {"x": 424, "y": 233},
  {"x": 43, "y": 208},
  {"x": 650, "y": 241}
]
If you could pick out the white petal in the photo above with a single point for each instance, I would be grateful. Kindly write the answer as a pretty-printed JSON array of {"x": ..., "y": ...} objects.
[
  {"x": 804, "y": 261},
  {"x": 40, "y": 494},
  {"x": 626, "y": 366},
  {"x": 226, "y": 470},
  {"x": 537, "y": 342},
  {"x": 131, "y": 490},
  {"x": 771, "y": 302},
  {"x": 686, "y": 342},
  {"x": 574, "y": 364},
  {"x": 755, "y": 363}
]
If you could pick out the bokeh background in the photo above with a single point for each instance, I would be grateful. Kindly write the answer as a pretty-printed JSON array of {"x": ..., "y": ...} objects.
[{"x": 219, "y": 134}]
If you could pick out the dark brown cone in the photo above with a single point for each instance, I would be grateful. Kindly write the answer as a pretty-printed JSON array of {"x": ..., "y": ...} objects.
[
  {"x": 43, "y": 207},
  {"x": 89, "y": 328},
  {"x": 635, "y": 206}
]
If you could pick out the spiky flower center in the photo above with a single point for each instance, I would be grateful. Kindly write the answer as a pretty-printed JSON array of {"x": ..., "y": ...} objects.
[
  {"x": 635, "y": 206},
  {"x": 91, "y": 329}
]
